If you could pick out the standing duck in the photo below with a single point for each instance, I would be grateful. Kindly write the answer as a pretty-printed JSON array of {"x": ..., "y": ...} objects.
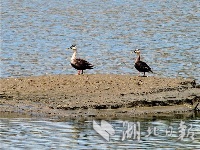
[
  {"x": 140, "y": 65},
  {"x": 77, "y": 63}
]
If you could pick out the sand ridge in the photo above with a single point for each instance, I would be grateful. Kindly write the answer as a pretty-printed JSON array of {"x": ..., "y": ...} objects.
[{"x": 96, "y": 95}]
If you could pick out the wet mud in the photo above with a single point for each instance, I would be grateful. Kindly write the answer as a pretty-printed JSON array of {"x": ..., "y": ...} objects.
[{"x": 99, "y": 95}]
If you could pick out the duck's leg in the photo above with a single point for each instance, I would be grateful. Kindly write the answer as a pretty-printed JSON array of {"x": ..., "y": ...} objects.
[
  {"x": 82, "y": 72},
  {"x": 79, "y": 71},
  {"x": 144, "y": 75}
]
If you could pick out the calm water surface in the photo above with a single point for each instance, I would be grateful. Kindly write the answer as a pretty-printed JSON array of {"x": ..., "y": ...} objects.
[
  {"x": 35, "y": 35},
  {"x": 34, "y": 38},
  {"x": 26, "y": 133}
]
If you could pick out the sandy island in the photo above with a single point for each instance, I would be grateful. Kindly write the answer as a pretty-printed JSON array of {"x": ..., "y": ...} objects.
[{"x": 98, "y": 95}]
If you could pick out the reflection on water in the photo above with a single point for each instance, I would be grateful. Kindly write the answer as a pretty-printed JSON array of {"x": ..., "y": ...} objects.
[
  {"x": 36, "y": 33},
  {"x": 26, "y": 133}
]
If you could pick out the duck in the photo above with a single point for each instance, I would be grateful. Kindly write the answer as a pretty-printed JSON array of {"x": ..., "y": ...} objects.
[
  {"x": 77, "y": 63},
  {"x": 140, "y": 65}
]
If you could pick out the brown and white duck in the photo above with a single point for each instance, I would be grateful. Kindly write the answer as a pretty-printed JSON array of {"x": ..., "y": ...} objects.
[
  {"x": 140, "y": 65},
  {"x": 77, "y": 63}
]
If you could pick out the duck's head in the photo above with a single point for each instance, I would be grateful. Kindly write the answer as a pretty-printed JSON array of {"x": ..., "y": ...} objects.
[
  {"x": 137, "y": 51},
  {"x": 73, "y": 47}
]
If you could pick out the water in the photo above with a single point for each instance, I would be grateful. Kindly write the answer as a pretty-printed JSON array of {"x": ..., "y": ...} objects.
[
  {"x": 26, "y": 133},
  {"x": 35, "y": 35},
  {"x": 34, "y": 38}
]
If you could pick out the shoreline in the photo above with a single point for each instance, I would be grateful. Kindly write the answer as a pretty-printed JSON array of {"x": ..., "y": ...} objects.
[{"x": 98, "y": 95}]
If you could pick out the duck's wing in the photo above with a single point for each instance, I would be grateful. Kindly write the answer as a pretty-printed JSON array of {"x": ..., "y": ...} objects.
[
  {"x": 82, "y": 64},
  {"x": 142, "y": 67}
]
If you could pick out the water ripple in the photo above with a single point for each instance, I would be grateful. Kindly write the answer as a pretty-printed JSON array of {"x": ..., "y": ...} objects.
[
  {"x": 25, "y": 133},
  {"x": 35, "y": 34}
]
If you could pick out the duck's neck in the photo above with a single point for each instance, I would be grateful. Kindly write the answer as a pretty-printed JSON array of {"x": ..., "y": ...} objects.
[
  {"x": 73, "y": 56},
  {"x": 138, "y": 58}
]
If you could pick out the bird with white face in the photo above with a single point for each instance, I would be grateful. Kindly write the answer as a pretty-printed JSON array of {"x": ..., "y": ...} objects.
[
  {"x": 140, "y": 65},
  {"x": 77, "y": 63}
]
